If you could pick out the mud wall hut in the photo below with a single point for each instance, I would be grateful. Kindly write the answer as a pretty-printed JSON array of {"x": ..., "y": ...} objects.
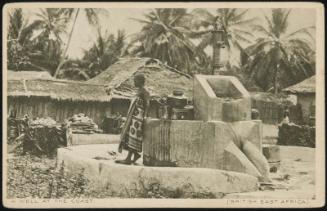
[
  {"x": 161, "y": 80},
  {"x": 305, "y": 93}
]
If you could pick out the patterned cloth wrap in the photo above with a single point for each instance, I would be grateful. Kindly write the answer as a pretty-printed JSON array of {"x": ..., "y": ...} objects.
[{"x": 132, "y": 132}]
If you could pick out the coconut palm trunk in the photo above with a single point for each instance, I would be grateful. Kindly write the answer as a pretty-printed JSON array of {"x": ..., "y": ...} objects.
[{"x": 68, "y": 43}]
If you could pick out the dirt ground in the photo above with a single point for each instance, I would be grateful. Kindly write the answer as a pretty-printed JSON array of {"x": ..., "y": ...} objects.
[{"x": 295, "y": 179}]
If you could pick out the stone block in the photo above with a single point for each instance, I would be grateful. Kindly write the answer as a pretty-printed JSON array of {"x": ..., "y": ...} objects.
[{"x": 220, "y": 98}]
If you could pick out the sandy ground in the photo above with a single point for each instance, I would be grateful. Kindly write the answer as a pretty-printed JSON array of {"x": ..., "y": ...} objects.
[{"x": 293, "y": 180}]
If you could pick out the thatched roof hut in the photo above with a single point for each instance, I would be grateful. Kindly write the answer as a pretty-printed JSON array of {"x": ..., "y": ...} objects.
[
  {"x": 308, "y": 86},
  {"x": 160, "y": 79},
  {"x": 57, "y": 90},
  {"x": 59, "y": 99}
]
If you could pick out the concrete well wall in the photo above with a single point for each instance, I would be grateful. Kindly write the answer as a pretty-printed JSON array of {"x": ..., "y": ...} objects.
[
  {"x": 220, "y": 98},
  {"x": 114, "y": 180},
  {"x": 187, "y": 143}
]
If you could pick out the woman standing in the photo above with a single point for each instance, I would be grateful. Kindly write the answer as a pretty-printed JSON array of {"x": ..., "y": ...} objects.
[{"x": 132, "y": 132}]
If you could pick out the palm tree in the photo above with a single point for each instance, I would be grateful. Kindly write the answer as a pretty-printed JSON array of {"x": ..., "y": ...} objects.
[
  {"x": 50, "y": 26},
  {"x": 278, "y": 55},
  {"x": 163, "y": 37},
  {"x": 19, "y": 36},
  {"x": 92, "y": 15},
  {"x": 104, "y": 52},
  {"x": 19, "y": 29},
  {"x": 233, "y": 24}
]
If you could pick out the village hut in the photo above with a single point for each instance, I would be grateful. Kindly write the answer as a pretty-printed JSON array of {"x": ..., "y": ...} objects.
[
  {"x": 58, "y": 99},
  {"x": 161, "y": 80},
  {"x": 305, "y": 93},
  {"x": 37, "y": 94}
]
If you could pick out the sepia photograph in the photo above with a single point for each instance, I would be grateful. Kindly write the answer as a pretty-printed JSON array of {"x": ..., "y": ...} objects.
[{"x": 163, "y": 105}]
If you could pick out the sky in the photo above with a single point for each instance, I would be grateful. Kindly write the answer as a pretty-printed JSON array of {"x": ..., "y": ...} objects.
[{"x": 120, "y": 18}]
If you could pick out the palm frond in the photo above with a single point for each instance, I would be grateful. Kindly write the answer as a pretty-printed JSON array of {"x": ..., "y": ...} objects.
[
  {"x": 239, "y": 16},
  {"x": 300, "y": 44},
  {"x": 284, "y": 21},
  {"x": 262, "y": 29},
  {"x": 304, "y": 30},
  {"x": 242, "y": 38},
  {"x": 269, "y": 22},
  {"x": 140, "y": 20},
  {"x": 201, "y": 17},
  {"x": 230, "y": 13},
  {"x": 244, "y": 32},
  {"x": 258, "y": 46},
  {"x": 243, "y": 22},
  {"x": 92, "y": 16},
  {"x": 197, "y": 34}
]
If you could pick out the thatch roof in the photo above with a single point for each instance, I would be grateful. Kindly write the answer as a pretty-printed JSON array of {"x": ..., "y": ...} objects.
[
  {"x": 160, "y": 78},
  {"x": 58, "y": 89},
  {"x": 28, "y": 75},
  {"x": 305, "y": 87}
]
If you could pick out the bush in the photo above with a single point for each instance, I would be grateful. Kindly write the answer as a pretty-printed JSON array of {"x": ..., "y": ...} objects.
[{"x": 296, "y": 135}]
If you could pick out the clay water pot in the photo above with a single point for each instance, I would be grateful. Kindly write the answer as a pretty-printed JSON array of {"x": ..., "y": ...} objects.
[{"x": 177, "y": 100}]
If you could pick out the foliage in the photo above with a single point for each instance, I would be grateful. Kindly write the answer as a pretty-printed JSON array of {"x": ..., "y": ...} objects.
[
  {"x": 104, "y": 52},
  {"x": 17, "y": 58},
  {"x": 19, "y": 33},
  {"x": 47, "y": 45},
  {"x": 278, "y": 58},
  {"x": 92, "y": 15},
  {"x": 30, "y": 176},
  {"x": 37, "y": 43},
  {"x": 74, "y": 69},
  {"x": 296, "y": 135},
  {"x": 163, "y": 37},
  {"x": 233, "y": 22}
]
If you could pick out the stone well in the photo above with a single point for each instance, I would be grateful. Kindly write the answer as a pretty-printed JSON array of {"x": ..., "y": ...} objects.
[
  {"x": 222, "y": 136},
  {"x": 217, "y": 153}
]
